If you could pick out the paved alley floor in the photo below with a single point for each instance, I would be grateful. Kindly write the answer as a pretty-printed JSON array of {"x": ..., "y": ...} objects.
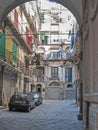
[{"x": 51, "y": 115}]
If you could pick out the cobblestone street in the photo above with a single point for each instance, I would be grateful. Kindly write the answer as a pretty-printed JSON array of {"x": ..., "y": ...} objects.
[{"x": 51, "y": 115}]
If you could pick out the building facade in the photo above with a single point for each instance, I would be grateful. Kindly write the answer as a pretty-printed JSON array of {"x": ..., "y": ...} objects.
[
  {"x": 57, "y": 80},
  {"x": 16, "y": 43}
]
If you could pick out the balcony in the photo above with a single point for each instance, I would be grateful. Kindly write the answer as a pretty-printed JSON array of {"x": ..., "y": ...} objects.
[
  {"x": 17, "y": 34},
  {"x": 11, "y": 63},
  {"x": 30, "y": 21}
]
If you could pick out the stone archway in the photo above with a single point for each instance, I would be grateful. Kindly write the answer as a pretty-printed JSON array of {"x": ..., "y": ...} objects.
[{"x": 75, "y": 6}]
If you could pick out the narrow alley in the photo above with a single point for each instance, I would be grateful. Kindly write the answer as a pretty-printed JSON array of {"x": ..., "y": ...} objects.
[{"x": 51, "y": 115}]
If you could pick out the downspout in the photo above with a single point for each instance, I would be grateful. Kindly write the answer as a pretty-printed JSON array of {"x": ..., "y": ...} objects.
[{"x": 1, "y": 88}]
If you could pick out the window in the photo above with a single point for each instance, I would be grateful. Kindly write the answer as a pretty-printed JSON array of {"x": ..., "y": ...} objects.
[
  {"x": 16, "y": 18},
  {"x": 31, "y": 87},
  {"x": 54, "y": 72},
  {"x": 40, "y": 79},
  {"x": 68, "y": 74}
]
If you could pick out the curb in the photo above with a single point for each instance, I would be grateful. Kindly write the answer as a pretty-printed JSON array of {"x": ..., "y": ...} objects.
[{"x": 3, "y": 107}]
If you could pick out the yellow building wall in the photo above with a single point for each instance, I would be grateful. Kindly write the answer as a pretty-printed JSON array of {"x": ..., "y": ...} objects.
[
  {"x": 8, "y": 47},
  {"x": 21, "y": 55}
]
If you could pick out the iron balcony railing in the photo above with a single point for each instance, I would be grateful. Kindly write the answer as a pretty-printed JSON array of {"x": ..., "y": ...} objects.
[{"x": 10, "y": 58}]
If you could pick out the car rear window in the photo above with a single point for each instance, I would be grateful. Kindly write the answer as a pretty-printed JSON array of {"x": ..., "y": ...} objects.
[
  {"x": 20, "y": 96},
  {"x": 36, "y": 95}
]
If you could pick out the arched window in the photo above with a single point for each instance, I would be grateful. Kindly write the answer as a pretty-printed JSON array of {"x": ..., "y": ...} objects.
[
  {"x": 69, "y": 86},
  {"x": 54, "y": 84}
]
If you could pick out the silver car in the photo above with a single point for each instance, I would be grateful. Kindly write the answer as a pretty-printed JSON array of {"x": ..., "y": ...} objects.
[{"x": 37, "y": 97}]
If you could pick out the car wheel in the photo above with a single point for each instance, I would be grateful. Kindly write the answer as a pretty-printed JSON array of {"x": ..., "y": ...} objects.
[
  {"x": 34, "y": 105},
  {"x": 10, "y": 109},
  {"x": 28, "y": 109}
]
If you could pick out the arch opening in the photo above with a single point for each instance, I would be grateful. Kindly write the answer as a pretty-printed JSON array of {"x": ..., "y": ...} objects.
[{"x": 60, "y": 74}]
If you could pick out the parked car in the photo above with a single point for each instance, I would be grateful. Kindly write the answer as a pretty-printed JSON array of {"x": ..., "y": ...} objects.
[
  {"x": 21, "y": 101},
  {"x": 37, "y": 97}
]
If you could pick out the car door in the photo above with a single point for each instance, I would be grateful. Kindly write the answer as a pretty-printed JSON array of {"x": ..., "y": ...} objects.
[{"x": 32, "y": 102}]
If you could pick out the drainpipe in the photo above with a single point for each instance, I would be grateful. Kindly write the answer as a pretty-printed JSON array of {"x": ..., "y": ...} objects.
[
  {"x": 1, "y": 88},
  {"x": 76, "y": 95},
  {"x": 80, "y": 115},
  {"x": 81, "y": 103}
]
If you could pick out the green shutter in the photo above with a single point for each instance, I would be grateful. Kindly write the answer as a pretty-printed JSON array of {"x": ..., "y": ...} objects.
[
  {"x": 42, "y": 34},
  {"x": 2, "y": 45},
  {"x": 46, "y": 39},
  {"x": 70, "y": 74},
  {"x": 14, "y": 52}
]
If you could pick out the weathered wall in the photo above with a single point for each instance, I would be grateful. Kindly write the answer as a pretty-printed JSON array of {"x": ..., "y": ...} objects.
[
  {"x": 9, "y": 86},
  {"x": 90, "y": 63}
]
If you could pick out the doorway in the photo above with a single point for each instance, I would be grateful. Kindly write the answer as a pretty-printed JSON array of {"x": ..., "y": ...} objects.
[{"x": 39, "y": 88}]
